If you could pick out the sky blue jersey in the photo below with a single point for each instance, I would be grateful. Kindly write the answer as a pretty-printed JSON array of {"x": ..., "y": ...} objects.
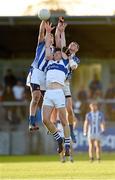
[{"x": 94, "y": 121}]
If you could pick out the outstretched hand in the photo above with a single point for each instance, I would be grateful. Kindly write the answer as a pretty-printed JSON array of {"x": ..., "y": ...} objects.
[{"x": 48, "y": 27}]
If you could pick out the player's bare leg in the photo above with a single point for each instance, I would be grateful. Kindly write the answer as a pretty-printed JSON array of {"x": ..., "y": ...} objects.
[
  {"x": 34, "y": 102},
  {"x": 54, "y": 116},
  {"x": 47, "y": 111},
  {"x": 91, "y": 150},
  {"x": 98, "y": 149}
]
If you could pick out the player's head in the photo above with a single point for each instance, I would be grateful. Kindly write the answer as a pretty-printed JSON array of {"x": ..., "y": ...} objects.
[
  {"x": 93, "y": 106},
  {"x": 73, "y": 47},
  {"x": 57, "y": 54}
]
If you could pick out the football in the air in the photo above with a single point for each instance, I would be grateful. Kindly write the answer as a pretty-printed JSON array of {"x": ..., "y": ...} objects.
[{"x": 44, "y": 14}]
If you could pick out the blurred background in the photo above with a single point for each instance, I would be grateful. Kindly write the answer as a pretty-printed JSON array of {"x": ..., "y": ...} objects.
[{"x": 92, "y": 24}]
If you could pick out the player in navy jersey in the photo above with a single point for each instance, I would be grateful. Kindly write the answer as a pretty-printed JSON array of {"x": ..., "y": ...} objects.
[
  {"x": 94, "y": 127},
  {"x": 36, "y": 77}
]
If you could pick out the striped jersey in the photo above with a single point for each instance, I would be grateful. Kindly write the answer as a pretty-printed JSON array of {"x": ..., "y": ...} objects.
[
  {"x": 39, "y": 60},
  {"x": 77, "y": 60},
  {"x": 94, "y": 121},
  {"x": 56, "y": 71}
]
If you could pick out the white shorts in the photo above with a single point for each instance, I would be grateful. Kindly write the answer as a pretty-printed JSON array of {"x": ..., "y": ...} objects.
[
  {"x": 66, "y": 89},
  {"x": 36, "y": 76},
  {"x": 54, "y": 98},
  {"x": 95, "y": 137}
]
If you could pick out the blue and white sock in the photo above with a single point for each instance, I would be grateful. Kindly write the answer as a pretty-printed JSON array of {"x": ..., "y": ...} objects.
[
  {"x": 67, "y": 142},
  {"x": 57, "y": 137}
]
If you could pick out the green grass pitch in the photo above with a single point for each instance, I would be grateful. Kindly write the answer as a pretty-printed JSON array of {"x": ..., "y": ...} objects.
[{"x": 50, "y": 168}]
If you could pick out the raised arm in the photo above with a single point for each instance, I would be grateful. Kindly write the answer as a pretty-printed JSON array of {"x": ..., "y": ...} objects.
[
  {"x": 63, "y": 39},
  {"x": 58, "y": 36},
  {"x": 41, "y": 36},
  {"x": 48, "y": 40},
  {"x": 60, "y": 33}
]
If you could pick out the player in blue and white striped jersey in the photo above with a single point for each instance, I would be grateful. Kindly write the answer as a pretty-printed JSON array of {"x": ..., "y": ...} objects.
[
  {"x": 74, "y": 61},
  {"x": 94, "y": 127},
  {"x": 54, "y": 96},
  {"x": 36, "y": 77}
]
